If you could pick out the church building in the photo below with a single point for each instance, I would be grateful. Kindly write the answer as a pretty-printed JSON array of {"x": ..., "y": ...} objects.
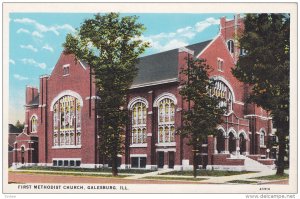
[{"x": 60, "y": 118}]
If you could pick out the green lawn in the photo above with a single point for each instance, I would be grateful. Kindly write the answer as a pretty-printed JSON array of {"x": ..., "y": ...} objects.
[
  {"x": 103, "y": 170},
  {"x": 71, "y": 174},
  {"x": 174, "y": 178},
  {"x": 242, "y": 182},
  {"x": 272, "y": 177},
  {"x": 207, "y": 173}
]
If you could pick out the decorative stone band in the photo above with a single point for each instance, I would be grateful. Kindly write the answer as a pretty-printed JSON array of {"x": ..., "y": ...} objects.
[{"x": 93, "y": 97}]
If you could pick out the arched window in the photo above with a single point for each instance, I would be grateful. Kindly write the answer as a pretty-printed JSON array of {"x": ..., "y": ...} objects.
[
  {"x": 230, "y": 46},
  {"x": 33, "y": 124},
  {"x": 166, "y": 119},
  {"x": 67, "y": 121},
  {"x": 139, "y": 116},
  {"x": 262, "y": 138},
  {"x": 222, "y": 90}
]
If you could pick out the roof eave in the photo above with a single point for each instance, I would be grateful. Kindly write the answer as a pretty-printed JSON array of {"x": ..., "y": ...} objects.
[{"x": 154, "y": 83}]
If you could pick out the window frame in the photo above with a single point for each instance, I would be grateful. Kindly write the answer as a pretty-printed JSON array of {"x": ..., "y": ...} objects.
[
  {"x": 67, "y": 122},
  {"x": 164, "y": 137}
]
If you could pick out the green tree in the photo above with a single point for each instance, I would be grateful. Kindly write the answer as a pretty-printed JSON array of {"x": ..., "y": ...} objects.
[
  {"x": 110, "y": 44},
  {"x": 266, "y": 66},
  {"x": 204, "y": 112},
  {"x": 19, "y": 125}
]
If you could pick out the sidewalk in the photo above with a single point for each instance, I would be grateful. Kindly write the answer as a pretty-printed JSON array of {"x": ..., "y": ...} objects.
[{"x": 155, "y": 173}]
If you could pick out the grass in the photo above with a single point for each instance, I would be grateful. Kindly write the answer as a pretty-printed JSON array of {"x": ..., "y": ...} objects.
[
  {"x": 72, "y": 174},
  {"x": 272, "y": 177},
  {"x": 242, "y": 182},
  {"x": 174, "y": 178},
  {"x": 103, "y": 170},
  {"x": 207, "y": 173}
]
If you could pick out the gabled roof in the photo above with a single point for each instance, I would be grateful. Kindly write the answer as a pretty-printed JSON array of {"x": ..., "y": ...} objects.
[
  {"x": 13, "y": 129},
  {"x": 162, "y": 67}
]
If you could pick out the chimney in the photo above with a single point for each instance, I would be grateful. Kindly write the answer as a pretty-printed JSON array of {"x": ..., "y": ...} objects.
[{"x": 31, "y": 93}]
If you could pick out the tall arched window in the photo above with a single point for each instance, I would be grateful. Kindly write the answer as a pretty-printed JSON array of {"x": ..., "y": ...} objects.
[
  {"x": 33, "y": 124},
  {"x": 67, "y": 121},
  {"x": 139, "y": 116},
  {"x": 262, "y": 138},
  {"x": 221, "y": 90},
  {"x": 230, "y": 46},
  {"x": 166, "y": 120}
]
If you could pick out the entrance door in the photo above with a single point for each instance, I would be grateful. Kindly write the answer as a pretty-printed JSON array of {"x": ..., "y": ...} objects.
[
  {"x": 160, "y": 161},
  {"x": 22, "y": 155},
  {"x": 171, "y": 160}
]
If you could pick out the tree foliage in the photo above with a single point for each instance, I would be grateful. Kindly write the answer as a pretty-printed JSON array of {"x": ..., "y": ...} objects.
[
  {"x": 19, "y": 125},
  {"x": 266, "y": 67},
  {"x": 110, "y": 44},
  {"x": 204, "y": 113}
]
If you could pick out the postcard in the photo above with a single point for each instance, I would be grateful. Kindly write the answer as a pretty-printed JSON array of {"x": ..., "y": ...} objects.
[{"x": 150, "y": 98}]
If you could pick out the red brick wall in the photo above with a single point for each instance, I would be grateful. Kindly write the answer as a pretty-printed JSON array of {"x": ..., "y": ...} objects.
[
  {"x": 78, "y": 81},
  {"x": 223, "y": 159}
]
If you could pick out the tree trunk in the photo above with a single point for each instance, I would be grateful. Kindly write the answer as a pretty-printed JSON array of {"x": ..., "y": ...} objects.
[
  {"x": 281, "y": 153},
  {"x": 114, "y": 167},
  {"x": 195, "y": 163}
]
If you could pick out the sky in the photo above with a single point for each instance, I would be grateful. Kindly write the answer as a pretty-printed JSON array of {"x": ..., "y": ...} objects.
[{"x": 35, "y": 43}]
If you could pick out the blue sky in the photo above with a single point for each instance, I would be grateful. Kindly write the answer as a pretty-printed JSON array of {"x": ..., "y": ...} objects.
[{"x": 36, "y": 42}]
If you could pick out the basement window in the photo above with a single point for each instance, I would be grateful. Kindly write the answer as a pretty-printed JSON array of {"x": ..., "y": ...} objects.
[{"x": 138, "y": 162}]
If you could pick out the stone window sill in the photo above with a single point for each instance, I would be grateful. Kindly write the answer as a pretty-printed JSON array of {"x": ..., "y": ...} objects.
[
  {"x": 166, "y": 144},
  {"x": 138, "y": 145},
  {"x": 67, "y": 147}
]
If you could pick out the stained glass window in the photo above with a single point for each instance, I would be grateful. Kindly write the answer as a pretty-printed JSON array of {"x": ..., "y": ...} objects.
[
  {"x": 67, "y": 121},
  {"x": 221, "y": 90},
  {"x": 262, "y": 138},
  {"x": 139, "y": 117},
  {"x": 166, "y": 120},
  {"x": 33, "y": 124}
]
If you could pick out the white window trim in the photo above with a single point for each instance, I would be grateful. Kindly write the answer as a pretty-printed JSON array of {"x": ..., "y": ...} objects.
[
  {"x": 262, "y": 141},
  {"x": 164, "y": 96},
  {"x": 138, "y": 155},
  {"x": 67, "y": 147},
  {"x": 135, "y": 100},
  {"x": 63, "y": 93},
  {"x": 139, "y": 145},
  {"x": 166, "y": 144}
]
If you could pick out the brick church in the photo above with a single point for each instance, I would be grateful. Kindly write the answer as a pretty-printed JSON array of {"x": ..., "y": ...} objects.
[{"x": 60, "y": 121}]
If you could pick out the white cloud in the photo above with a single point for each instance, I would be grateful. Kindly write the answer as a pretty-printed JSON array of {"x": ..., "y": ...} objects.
[
  {"x": 19, "y": 77},
  {"x": 43, "y": 28},
  {"x": 31, "y": 61},
  {"x": 12, "y": 61},
  {"x": 174, "y": 43},
  {"x": 202, "y": 25},
  {"x": 24, "y": 20},
  {"x": 42, "y": 65},
  {"x": 37, "y": 34},
  {"x": 29, "y": 47},
  {"x": 47, "y": 47},
  {"x": 170, "y": 40},
  {"x": 22, "y": 30}
]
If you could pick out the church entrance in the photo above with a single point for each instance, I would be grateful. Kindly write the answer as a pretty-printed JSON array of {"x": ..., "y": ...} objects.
[
  {"x": 220, "y": 142},
  {"x": 160, "y": 159},
  {"x": 171, "y": 159},
  {"x": 22, "y": 155},
  {"x": 232, "y": 143},
  {"x": 242, "y": 143}
]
